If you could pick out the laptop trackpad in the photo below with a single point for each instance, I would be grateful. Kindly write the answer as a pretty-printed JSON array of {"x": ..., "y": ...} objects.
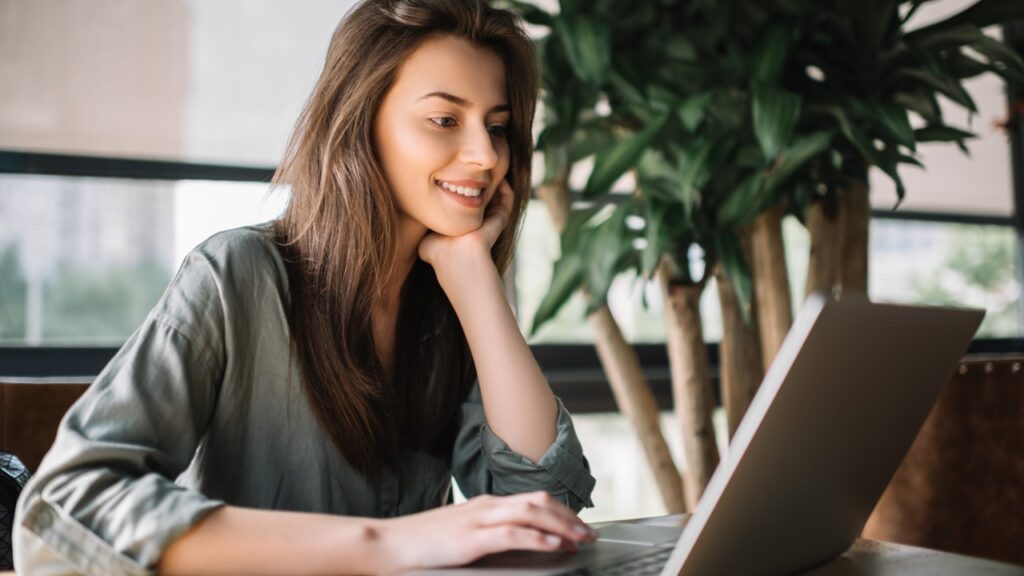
[
  {"x": 639, "y": 534},
  {"x": 522, "y": 562},
  {"x": 615, "y": 540}
]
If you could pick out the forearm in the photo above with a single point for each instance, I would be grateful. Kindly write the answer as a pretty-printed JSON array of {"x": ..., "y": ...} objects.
[
  {"x": 235, "y": 540},
  {"x": 518, "y": 403}
]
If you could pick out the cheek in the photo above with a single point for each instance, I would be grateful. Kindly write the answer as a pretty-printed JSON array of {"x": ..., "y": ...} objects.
[
  {"x": 416, "y": 148},
  {"x": 411, "y": 158}
]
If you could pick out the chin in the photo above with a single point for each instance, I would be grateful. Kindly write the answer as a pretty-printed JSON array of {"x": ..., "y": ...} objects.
[{"x": 451, "y": 229}]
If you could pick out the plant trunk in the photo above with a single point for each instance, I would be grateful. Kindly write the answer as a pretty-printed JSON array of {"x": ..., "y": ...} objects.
[
  {"x": 772, "y": 297},
  {"x": 856, "y": 219},
  {"x": 637, "y": 403},
  {"x": 691, "y": 382},
  {"x": 823, "y": 265},
  {"x": 739, "y": 355},
  {"x": 625, "y": 376}
]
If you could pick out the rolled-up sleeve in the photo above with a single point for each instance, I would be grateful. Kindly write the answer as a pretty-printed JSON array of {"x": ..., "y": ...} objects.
[
  {"x": 104, "y": 500},
  {"x": 483, "y": 463}
]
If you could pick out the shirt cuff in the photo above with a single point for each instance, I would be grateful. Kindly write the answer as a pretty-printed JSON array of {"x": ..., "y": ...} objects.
[
  {"x": 86, "y": 553},
  {"x": 562, "y": 471}
]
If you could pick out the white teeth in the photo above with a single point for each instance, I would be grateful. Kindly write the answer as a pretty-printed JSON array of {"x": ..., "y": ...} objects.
[{"x": 461, "y": 190}]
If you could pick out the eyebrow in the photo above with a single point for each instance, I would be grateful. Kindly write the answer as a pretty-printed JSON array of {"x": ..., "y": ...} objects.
[{"x": 462, "y": 102}]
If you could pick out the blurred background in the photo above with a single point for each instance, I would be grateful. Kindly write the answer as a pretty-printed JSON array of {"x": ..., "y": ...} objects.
[{"x": 132, "y": 130}]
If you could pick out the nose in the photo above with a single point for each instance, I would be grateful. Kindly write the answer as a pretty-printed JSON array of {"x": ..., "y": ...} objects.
[{"x": 478, "y": 149}]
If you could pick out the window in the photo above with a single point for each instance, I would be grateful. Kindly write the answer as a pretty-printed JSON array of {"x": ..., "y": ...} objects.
[{"x": 83, "y": 260}]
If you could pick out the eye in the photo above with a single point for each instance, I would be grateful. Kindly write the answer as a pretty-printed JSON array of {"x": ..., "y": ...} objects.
[
  {"x": 498, "y": 130},
  {"x": 443, "y": 122}
]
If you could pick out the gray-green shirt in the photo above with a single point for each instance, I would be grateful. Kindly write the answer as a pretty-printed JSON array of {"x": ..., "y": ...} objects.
[{"x": 201, "y": 408}]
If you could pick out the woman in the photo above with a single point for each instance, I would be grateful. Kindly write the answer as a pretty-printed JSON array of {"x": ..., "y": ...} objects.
[{"x": 301, "y": 396}]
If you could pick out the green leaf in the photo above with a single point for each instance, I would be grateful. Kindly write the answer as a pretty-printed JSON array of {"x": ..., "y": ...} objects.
[
  {"x": 947, "y": 86},
  {"x": 625, "y": 89},
  {"x": 905, "y": 159},
  {"x": 796, "y": 156},
  {"x": 996, "y": 51},
  {"x": 922, "y": 102},
  {"x": 661, "y": 97},
  {"x": 699, "y": 162},
  {"x": 656, "y": 232},
  {"x": 981, "y": 14},
  {"x": 866, "y": 147},
  {"x": 571, "y": 6},
  {"x": 691, "y": 112},
  {"x": 769, "y": 56},
  {"x": 657, "y": 178},
  {"x": 568, "y": 272},
  {"x": 888, "y": 163},
  {"x": 577, "y": 226},
  {"x": 565, "y": 279},
  {"x": 734, "y": 264},
  {"x": 962, "y": 66},
  {"x": 694, "y": 170},
  {"x": 775, "y": 114},
  {"x": 605, "y": 247},
  {"x": 891, "y": 118},
  {"x": 589, "y": 142},
  {"x": 744, "y": 203},
  {"x": 613, "y": 162},
  {"x": 587, "y": 45},
  {"x": 973, "y": 37},
  {"x": 679, "y": 47},
  {"x": 942, "y": 133}
]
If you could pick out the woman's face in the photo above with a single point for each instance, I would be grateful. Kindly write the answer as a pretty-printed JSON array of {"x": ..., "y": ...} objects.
[{"x": 440, "y": 134}]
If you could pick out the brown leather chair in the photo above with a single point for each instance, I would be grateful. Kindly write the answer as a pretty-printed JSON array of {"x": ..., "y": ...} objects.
[
  {"x": 961, "y": 486},
  {"x": 30, "y": 410}
]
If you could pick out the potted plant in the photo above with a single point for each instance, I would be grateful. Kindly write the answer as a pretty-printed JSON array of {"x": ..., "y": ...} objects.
[{"x": 729, "y": 114}]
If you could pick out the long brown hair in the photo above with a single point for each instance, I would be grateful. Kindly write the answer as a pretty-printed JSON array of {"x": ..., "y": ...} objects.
[{"x": 338, "y": 235}]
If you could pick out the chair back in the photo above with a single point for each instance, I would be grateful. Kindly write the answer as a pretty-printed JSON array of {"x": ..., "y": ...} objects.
[
  {"x": 30, "y": 411},
  {"x": 961, "y": 486}
]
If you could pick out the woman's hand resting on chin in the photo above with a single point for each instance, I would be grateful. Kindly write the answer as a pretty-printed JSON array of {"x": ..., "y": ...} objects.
[
  {"x": 452, "y": 254},
  {"x": 459, "y": 534}
]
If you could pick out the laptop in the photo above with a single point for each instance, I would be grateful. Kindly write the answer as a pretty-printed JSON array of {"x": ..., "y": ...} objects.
[{"x": 837, "y": 411}]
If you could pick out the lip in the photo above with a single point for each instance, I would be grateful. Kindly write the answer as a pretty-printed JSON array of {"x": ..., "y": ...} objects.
[{"x": 459, "y": 198}]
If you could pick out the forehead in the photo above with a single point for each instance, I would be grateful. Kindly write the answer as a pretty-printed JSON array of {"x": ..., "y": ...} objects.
[{"x": 456, "y": 66}]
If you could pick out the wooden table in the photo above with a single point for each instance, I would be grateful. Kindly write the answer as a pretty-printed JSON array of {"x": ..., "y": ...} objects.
[{"x": 872, "y": 558}]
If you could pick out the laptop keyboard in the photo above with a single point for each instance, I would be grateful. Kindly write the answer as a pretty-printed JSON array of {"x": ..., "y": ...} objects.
[{"x": 648, "y": 561}]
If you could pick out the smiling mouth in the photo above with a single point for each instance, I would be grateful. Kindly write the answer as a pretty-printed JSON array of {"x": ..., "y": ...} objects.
[{"x": 460, "y": 190}]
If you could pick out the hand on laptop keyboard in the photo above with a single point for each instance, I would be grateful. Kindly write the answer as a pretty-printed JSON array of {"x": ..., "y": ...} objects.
[{"x": 459, "y": 534}]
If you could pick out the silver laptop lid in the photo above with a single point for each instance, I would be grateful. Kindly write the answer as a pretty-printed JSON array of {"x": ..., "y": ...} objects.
[{"x": 840, "y": 406}]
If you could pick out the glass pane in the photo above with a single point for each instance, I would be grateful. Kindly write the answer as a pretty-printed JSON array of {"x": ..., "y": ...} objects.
[
  {"x": 193, "y": 80},
  {"x": 83, "y": 260},
  {"x": 625, "y": 485},
  {"x": 952, "y": 265}
]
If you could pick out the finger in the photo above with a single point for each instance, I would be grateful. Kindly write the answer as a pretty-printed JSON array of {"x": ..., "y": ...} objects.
[
  {"x": 497, "y": 214},
  {"x": 531, "y": 515},
  {"x": 502, "y": 201},
  {"x": 540, "y": 509},
  {"x": 501, "y": 538},
  {"x": 545, "y": 500}
]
